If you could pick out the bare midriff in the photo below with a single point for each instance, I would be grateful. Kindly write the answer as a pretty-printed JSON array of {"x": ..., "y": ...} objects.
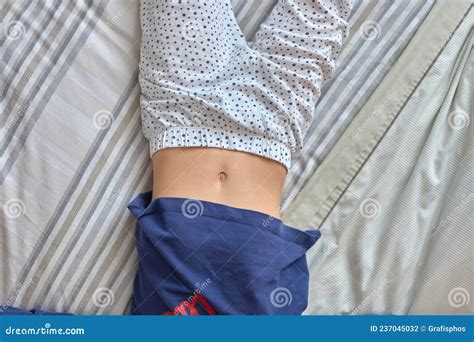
[{"x": 233, "y": 178}]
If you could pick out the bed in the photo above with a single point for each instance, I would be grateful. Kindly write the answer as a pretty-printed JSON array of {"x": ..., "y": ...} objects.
[{"x": 72, "y": 156}]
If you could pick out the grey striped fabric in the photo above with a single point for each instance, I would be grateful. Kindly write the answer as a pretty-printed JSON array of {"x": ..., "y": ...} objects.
[
  {"x": 28, "y": 80},
  {"x": 250, "y": 14},
  {"x": 379, "y": 31},
  {"x": 71, "y": 150},
  {"x": 399, "y": 239}
]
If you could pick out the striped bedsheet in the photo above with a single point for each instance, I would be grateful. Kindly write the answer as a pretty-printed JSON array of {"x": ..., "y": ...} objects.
[
  {"x": 71, "y": 151},
  {"x": 379, "y": 31}
]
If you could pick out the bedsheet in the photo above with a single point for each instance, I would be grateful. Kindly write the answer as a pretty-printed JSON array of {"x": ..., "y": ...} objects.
[{"x": 394, "y": 198}]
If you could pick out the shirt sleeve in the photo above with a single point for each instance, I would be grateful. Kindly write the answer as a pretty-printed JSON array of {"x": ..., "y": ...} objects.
[{"x": 305, "y": 36}]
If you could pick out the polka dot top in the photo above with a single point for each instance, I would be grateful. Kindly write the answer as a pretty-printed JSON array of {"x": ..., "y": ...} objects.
[{"x": 203, "y": 85}]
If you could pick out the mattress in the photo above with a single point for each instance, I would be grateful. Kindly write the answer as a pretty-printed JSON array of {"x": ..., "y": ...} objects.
[{"x": 72, "y": 154}]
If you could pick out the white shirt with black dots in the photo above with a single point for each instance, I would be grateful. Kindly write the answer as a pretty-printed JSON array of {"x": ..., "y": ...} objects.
[{"x": 203, "y": 85}]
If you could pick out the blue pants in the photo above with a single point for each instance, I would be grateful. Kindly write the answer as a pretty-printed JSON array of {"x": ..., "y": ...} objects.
[
  {"x": 203, "y": 258},
  {"x": 199, "y": 257}
]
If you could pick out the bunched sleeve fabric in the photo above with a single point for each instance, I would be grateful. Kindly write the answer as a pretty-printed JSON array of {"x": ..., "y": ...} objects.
[
  {"x": 305, "y": 36},
  {"x": 298, "y": 45}
]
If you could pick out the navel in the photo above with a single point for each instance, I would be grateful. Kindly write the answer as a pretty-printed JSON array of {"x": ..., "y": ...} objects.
[{"x": 222, "y": 175}]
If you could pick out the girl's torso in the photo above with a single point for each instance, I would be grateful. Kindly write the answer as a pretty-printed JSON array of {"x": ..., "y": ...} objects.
[{"x": 228, "y": 177}]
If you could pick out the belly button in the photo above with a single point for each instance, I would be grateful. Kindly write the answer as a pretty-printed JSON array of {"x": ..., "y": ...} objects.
[{"x": 222, "y": 175}]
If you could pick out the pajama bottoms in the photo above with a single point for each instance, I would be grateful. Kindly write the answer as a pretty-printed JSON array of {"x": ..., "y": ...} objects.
[
  {"x": 203, "y": 85},
  {"x": 203, "y": 258}
]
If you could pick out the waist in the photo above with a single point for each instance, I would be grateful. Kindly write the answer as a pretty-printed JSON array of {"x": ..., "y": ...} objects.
[{"x": 234, "y": 178}]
